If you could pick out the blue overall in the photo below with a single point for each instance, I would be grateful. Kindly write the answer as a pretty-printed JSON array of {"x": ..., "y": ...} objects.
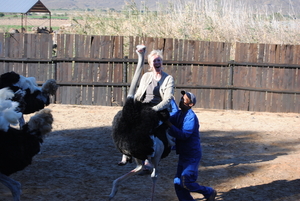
[{"x": 188, "y": 147}]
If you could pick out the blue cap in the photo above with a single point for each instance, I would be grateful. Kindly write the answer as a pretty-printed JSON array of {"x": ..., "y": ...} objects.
[{"x": 190, "y": 95}]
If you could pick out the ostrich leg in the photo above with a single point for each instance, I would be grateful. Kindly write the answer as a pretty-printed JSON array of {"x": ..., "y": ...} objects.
[
  {"x": 117, "y": 182},
  {"x": 159, "y": 149},
  {"x": 14, "y": 186}
]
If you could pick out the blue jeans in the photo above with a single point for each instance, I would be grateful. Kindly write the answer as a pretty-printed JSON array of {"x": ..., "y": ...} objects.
[{"x": 185, "y": 180}]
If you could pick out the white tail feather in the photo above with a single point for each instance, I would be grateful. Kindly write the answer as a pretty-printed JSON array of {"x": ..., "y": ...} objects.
[
  {"x": 8, "y": 113},
  {"x": 12, "y": 116},
  {"x": 6, "y": 93}
]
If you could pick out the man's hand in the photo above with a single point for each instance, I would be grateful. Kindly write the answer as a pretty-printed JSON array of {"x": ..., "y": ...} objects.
[
  {"x": 168, "y": 123},
  {"x": 163, "y": 115}
]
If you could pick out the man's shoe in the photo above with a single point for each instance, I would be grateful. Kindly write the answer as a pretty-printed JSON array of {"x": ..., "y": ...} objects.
[{"x": 212, "y": 197}]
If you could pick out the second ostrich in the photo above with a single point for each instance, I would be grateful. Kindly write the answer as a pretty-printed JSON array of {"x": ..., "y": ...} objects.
[
  {"x": 18, "y": 147},
  {"x": 137, "y": 132},
  {"x": 31, "y": 98}
]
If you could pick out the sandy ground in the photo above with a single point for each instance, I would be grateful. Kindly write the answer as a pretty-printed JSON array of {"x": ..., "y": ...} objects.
[{"x": 246, "y": 156}]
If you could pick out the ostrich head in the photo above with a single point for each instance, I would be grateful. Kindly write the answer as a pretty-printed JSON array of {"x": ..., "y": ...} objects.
[
  {"x": 141, "y": 51},
  {"x": 50, "y": 87},
  {"x": 41, "y": 121}
]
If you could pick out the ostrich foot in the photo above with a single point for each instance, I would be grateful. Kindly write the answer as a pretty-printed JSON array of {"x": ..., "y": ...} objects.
[{"x": 111, "y": 196}]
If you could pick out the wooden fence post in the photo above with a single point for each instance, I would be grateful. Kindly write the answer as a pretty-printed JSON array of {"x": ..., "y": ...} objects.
[
  {"x": 124, "y": 80},
  {"x": 230, "y": 84}
]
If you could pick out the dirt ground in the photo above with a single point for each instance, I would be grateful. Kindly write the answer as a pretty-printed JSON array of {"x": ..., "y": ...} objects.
[{"x": 246, "y": 156}]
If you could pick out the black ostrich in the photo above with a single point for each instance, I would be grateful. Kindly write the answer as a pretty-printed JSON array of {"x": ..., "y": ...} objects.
[
  {"x": 18, "y": 147},
  {"x": 30, "y": 97},
  {"x": 137, "y": 132}
]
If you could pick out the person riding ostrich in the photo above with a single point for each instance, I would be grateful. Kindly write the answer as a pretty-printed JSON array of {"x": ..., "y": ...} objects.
[
  {"x": 137, "y": 132},
  {"x": 19, "y": 146}
]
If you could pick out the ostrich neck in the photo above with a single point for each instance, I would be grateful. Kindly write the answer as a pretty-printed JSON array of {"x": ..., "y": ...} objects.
[{"x": 136, "y": 75}]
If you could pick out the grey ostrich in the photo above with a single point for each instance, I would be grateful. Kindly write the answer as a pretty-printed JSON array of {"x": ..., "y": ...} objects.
[{"x": 137, "y": 132}]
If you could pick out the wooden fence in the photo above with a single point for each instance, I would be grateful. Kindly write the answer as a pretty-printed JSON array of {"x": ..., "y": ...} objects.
[{"x": 97, "y": 70}]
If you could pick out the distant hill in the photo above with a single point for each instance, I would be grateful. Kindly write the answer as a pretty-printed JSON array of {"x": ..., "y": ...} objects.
[{"x": 283, "y": 6}]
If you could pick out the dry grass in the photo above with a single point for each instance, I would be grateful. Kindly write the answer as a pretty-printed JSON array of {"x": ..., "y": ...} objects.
[{"x": 208, "y": 20}]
